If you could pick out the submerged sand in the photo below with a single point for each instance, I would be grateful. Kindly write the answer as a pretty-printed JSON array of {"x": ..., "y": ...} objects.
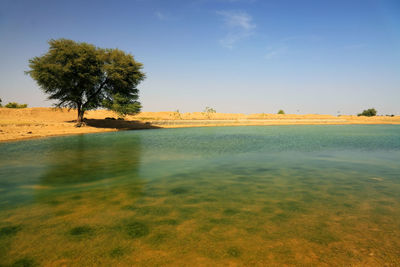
[{"x": 18, "y": 124}]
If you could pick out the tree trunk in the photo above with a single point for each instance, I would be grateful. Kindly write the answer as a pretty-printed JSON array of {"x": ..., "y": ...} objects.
[{"x": 79, "y": 121}]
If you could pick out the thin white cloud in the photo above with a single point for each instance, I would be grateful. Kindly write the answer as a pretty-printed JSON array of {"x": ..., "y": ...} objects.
[
  {"x": 237, "y": 19},
  {"x": 239, "y": 26},
  {"x": 274, "y": 52},
  {"x": 282, "y": 47},
  {"x": 161, "y": 16}
]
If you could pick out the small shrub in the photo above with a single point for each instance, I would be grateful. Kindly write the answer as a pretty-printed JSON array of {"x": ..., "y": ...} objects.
[
  {"x": 281, "y": 111},
  {"x": 16, "y": 105},
  {"x": 368, "y": 112}
]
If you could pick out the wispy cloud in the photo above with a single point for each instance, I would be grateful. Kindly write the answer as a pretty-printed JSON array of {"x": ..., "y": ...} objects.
[
  {"x": 162, "y": 16},
  {"x": 273, "y": 52},
  {"x": 289, "y": 44},
  {"x": 239, "y": 26}
]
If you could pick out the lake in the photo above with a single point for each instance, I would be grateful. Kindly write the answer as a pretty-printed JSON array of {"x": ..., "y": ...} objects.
[{"x": 257, "y": 195}]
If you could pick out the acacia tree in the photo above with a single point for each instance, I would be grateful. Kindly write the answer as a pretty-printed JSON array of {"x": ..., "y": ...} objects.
[{"x": 85, "y": 77}]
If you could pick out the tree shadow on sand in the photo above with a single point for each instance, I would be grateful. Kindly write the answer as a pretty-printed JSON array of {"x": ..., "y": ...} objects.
[{"x": 118, "y": 124}]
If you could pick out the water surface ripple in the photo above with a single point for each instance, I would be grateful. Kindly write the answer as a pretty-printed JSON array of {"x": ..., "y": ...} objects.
[{"x": 260, "y": 195}]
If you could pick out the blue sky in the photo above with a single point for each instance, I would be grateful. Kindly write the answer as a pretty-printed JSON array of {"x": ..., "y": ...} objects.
[{"x": 242, "y": 56}]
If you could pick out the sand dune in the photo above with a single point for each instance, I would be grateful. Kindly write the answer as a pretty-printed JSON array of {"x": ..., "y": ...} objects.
[{"x": 17, "y": 124}]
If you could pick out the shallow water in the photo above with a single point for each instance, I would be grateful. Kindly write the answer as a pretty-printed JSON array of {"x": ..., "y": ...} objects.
[{"x": 267, "y": 196}]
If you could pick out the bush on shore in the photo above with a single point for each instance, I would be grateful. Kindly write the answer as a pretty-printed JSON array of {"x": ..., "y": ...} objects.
[
  {"x": 368, "y": 112},
  {"x": 16, "y": 105}
]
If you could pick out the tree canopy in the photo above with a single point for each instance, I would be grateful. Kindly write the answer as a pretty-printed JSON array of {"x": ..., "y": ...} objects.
[
  {"x": 368, "y": 112},
  {"x": 83, "y": 76}
]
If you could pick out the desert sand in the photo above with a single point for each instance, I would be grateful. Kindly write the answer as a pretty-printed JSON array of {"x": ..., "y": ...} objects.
[{"x": 18, "y": 124}]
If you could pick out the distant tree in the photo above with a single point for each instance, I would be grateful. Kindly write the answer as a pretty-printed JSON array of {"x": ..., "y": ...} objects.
[
  {"x": 85, "y": 77},
  {"x": 209, "y": 111},
  {"x": 0, "y": 103},
  {"x": 15, "y": 105},
  {"x": 281, "y": 111},
  {"x": 368, "y": 112}
]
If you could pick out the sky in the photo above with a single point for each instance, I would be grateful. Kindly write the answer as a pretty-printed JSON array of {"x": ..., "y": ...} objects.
[{"x": 237, "y": 56}]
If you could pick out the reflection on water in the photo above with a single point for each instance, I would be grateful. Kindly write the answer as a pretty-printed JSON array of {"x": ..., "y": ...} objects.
[
  {"x": 282, "y": 195},
  {"x": 90, "y": 168},
  {"x": 84, "y": 160}
]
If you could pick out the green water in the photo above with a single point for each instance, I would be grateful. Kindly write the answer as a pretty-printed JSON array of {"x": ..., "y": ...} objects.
[{"x": 267, "y": 196}]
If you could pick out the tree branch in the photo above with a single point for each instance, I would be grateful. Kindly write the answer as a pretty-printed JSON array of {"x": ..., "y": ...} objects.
[{"x": 95, "y": 93}]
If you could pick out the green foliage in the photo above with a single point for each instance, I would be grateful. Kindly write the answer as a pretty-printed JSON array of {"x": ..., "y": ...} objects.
[
  {"x": 281, "y": 111},
  {"x": 368, "y": 112},
  {"x": 209, "y": 110},
  {"x": 83, "y": 76},
  {"x": 15, "y": 105},
  {"x": 122, "y": 105}
]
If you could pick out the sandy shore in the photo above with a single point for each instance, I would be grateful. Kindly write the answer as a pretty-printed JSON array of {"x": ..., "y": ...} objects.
[{"x": 17, "y": 124}]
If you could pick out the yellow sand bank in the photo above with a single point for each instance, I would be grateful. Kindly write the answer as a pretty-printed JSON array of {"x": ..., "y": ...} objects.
[{"x": 16, "y": 124}]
